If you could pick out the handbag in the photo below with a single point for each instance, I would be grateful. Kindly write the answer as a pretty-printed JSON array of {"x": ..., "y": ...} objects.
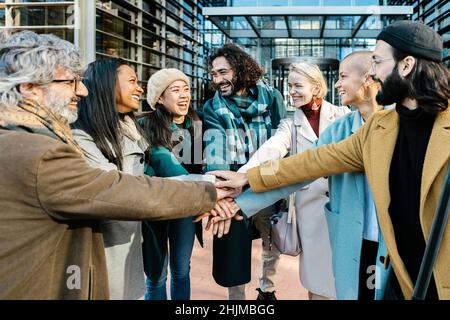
[{"x": 283, "y": 224}]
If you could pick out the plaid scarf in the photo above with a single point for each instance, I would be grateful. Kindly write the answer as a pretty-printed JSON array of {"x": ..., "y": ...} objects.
[
  {"x": 247, "y": 120},
  {"x": 30, "y": 116}
]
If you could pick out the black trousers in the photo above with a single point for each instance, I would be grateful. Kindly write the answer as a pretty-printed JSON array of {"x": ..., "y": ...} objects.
[{"x": 394, "y": 292}]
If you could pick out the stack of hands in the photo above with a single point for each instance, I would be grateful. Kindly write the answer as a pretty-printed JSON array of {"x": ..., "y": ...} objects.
[{"x": 228, "y": 186}]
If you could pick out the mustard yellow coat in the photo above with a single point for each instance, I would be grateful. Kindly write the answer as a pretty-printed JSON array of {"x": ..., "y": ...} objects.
[{"x": 370, "y": 150}]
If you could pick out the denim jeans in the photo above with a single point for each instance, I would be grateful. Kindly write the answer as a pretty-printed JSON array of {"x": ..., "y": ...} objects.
[{"x": 181, "y": 241}]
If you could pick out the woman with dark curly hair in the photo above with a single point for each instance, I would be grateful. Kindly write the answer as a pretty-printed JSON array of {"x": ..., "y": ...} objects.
[{"x": 240, "y": 117}]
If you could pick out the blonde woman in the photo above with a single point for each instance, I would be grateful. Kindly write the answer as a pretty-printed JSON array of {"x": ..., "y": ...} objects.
[{"x": 307, "y": 88}]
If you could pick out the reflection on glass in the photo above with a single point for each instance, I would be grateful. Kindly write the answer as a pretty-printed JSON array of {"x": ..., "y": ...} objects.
[
  {"x": 272, "y": 22},
  {"x": 61, "y": 33},
  {"x": 275, "y": 3},
  {"x": 171, "y": 36},
  {"x": 147, "y": 72},
  {"x": 113, "y": 46},
  {"x": 187, "y": 68},
  {"x": 188, "y": 6},
  {"x": 172, "y": 50},
  {"x": 337, "y": 2},
  {"x": 171, "y": 22},
  {"x": 305, "y": 2},
  {"x": 187, "y": 56},
  {"x": 188, "y": 31},
  {"x": 151, "y": 25},
  {"x": 245, "y": 3},
  {"x": 171, "y": 8},
  {"x": 112, "y": 25},
  {"x": 39, "y": 1},
  {"x": 149, "y": 7},
  {"x": 43, "y": 16},
  {"x": 368, "y": 2},
  {"x": 172, "y": 63},
  {"x": 373, "y": 23},
  {"x": 150, "y": 40},
  {"x": 342, "y": 22},
  {"x": 2, "y": 17},
  {"x": 151, "y": 58},
  {"x": 239, "y": 23},
  {"x": 188, "y": 44},
  {"x": 116, "y": 9},
  {"x": 305, "y": 23}
]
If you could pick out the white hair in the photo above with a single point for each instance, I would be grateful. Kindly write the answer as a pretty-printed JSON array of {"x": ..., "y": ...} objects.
[{"x": 27, "y": 57}]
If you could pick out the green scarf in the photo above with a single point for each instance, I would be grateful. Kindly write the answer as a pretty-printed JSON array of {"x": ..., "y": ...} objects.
[{"x": 247, "y": 120}]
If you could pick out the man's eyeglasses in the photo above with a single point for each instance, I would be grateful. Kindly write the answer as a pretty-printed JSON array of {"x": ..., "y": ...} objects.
[{"x": 75, "y": 82}]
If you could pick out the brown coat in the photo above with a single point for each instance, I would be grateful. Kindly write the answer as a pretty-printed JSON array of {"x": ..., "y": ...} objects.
[
  {"x": 370, "y": 150},
  {"x": 50, "y": 202}
]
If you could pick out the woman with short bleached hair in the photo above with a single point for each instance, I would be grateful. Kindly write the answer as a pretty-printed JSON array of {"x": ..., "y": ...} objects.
[
  {"x": 313, "y": 114},
  {"x": 313, "y": 74}
]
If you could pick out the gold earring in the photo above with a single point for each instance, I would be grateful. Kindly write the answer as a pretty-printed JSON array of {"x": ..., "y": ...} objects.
[{"x": 314, "y": 106}]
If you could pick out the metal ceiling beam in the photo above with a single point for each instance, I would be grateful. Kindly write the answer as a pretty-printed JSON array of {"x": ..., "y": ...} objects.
[
  {"x": 218, "y": 24},
  {"x": 252, "y": 24},
  {"x": 359, "y": 25},
  {"x": 288, "y": 27},
  {"x": 303, "y": 34},
  {"x": 322, "y": 28},
  {"x": 309, "y": 11}
]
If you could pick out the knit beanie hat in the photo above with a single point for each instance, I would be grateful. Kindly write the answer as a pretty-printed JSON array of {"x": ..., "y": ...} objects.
[
  {"x": 159, "y": 82},
  {"x": 414, "y": 38}
]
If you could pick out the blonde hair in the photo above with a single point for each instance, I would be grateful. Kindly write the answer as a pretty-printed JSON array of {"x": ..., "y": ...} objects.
[{"x": 313, "y": 74}]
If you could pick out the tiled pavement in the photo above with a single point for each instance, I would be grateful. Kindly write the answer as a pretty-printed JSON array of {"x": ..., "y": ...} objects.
[{"x": 203, "y": 287}]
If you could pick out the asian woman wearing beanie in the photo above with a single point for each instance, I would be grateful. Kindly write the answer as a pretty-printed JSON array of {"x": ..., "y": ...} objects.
[
  {"x": 174, "y": 131},
  {"x": 107, "y": 132}
]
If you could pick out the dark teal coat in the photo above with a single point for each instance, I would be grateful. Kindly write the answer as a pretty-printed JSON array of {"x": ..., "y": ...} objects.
[
  {"x": 232, "y": 253},
  {"x": 163, "y": 163}
]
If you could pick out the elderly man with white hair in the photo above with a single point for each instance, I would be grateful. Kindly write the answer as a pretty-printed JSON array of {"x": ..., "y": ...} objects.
[{"x": 50, "y": 198}]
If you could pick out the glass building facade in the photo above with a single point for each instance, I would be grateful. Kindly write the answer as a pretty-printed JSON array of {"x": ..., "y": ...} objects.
[
  {"x": 149, "y": 35},
  {"x": 436, "y": 14},
  {"x": 57, "y": 17},
  {"x": 292, "y": 28},
  {"x": 152, "y": 34}
]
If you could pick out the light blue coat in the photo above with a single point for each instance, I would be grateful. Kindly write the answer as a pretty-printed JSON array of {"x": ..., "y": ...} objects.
[{"x": 344, "y": 213}]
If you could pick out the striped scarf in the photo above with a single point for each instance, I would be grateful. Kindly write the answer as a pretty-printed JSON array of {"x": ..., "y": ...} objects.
[{"x": 247, "y": 120}]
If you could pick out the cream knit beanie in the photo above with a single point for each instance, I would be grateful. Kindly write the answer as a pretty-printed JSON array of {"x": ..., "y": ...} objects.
[{"x": 159, "y": 82}]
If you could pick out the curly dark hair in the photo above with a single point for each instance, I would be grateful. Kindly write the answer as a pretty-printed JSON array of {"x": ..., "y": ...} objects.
[{"x": 246, "y": 70}]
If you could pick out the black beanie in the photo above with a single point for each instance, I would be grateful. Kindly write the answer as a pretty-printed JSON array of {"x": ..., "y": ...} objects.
[{"x": 414, "y": 38}]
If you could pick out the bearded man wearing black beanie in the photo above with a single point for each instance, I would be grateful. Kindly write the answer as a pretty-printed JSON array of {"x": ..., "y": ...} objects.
[
  {"x": 407, "y": 63},
  {"x": 404, "y": 152}
]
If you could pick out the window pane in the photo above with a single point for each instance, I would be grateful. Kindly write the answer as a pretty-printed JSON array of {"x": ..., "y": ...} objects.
[
  {"x": 2, "y": 17},
  {"x": 114, "y": 47},
  {"x": 150, "y": 40},
  {"x": 43, "y": 16},
  {"x": 151, "y": 58},
  {"x": 151, "y": 25},
  {"x": 113, "y": 25}
]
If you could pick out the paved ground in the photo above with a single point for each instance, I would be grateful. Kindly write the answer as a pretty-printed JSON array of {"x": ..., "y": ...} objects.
[{"x": 203, "y": 287}]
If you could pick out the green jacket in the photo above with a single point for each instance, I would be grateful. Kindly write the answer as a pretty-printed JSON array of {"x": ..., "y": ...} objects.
[{"x": 163, "y": 163}]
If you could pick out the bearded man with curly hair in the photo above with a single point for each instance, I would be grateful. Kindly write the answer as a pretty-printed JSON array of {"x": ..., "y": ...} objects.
[{"x": 240, "y": 118}]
